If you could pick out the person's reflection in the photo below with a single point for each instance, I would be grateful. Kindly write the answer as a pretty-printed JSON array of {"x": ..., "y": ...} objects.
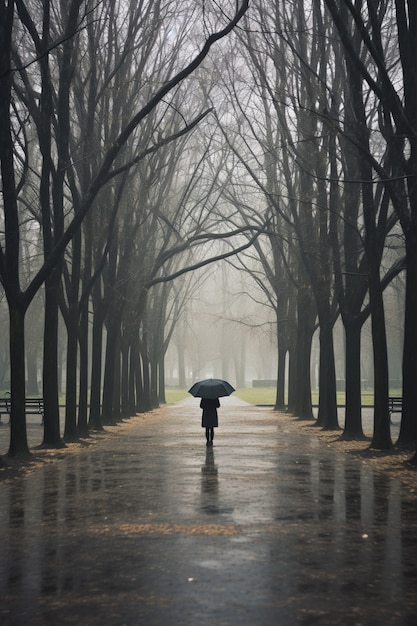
[{"x": 209, "y": 484}]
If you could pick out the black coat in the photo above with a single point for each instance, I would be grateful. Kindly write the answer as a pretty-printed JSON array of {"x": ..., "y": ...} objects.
[{"x": 209, "y": 417}]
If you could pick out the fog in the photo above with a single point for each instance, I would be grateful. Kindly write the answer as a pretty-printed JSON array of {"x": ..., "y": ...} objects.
[
  {"x": 228, "y": 330},
  {"x": 225, "y": 331}
]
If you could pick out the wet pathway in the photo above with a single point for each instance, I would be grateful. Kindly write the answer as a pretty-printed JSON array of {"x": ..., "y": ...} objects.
[{"x": 147, "y": 526}]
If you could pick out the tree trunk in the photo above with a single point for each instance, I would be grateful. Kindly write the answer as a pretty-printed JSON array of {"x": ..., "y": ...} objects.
[
  {"x": 327, "y": 413},
  {"x": 132, "y": 389},
  {"x": 146, "y": 398},
  {"x": 305, "y": 329},
  {"x": 70, "y": 432},
  {"x": 353, "y": 411},
  {"x": 138, "y": 377},
  {"x": 18, "y": 435},
  {"x": 107, "y": 416},
  {"x": 161, "y": 380},
  {"x": 124, "y": 395},
  {"x": 280, "y": 397},
  {"x": 382, "y": 431},
  {"x": 83, "y": 375},
  {"x": 154, "y": 383},
  {"x": 408, "y": 428},
  {"x": 117, "y": 381},
  {"x": 292, "y": 387},
  {"x": 94, "y": 420},
  {"x": 51, "y": 435}
]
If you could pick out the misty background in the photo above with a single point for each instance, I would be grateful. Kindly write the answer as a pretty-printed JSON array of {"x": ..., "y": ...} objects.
[{"x": 194, "y": 190}]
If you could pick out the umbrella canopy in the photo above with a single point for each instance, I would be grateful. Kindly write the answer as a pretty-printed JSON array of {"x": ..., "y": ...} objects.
[{"x": 211, "y": 388}]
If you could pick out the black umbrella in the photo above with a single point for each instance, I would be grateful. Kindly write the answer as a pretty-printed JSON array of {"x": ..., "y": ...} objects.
[{"x": 211, "y": 388}]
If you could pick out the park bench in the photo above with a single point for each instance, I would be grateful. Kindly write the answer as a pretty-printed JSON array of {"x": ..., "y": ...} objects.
[
  {"x": 33, "y": 406},
  {"x": 395, "y": 405}
]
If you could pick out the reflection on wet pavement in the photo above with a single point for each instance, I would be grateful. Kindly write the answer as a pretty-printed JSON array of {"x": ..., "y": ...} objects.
[{"x": 151, "y": 527}]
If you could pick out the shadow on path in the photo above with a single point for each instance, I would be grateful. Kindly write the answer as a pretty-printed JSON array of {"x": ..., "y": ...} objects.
[{"x": 150, "y": 527}]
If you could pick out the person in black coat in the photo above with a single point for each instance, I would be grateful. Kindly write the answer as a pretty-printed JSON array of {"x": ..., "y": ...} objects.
[{"x": 209, "y": 419}]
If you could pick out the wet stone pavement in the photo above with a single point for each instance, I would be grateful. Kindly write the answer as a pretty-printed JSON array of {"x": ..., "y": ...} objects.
[{"x": 148, "y": 526}]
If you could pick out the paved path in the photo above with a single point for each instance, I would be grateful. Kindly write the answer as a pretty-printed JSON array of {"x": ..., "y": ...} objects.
[{"x": 147, "y": 526}]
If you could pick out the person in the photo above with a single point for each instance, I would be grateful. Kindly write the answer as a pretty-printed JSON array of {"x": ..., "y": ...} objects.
[{"x": 209, "y": 419}]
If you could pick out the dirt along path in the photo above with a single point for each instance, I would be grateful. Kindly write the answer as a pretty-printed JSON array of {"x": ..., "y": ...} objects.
[{"x": 145, "y": 525}]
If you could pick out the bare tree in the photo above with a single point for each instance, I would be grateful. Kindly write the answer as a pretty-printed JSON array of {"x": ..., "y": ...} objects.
[
  {"x": 384, "y": 59},
  {"x": 37, "y": 84},
  {"x": 285, "y": 153},
  {"x": 306, "y": 154}
]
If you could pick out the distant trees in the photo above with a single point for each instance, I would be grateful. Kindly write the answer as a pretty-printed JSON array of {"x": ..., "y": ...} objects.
[{"x": 285, "y": 153}]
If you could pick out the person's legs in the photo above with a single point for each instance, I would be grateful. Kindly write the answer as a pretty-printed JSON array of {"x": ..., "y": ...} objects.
[
  {"x": 211, "y": 434},
  {"x": 208, "y": 435}
]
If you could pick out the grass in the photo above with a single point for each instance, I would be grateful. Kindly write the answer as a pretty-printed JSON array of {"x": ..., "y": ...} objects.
[
  {"x": 260, "y": 395},
  {"x": 266, "y": 395},
  {"x": 252, "y": 396},
  {"x": 257, "y": 395},
  {"x": 175, "y": 395}
]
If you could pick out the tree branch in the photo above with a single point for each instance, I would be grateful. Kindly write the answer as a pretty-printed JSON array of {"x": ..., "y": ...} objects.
[
  {"x": 102, "y": 175},
  {"x": 219, "y": 257}
]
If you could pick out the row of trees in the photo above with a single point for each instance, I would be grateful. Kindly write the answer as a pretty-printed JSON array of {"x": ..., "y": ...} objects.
[
  {"x": 325, "y": 98},
  {"x": 302, "y": 151},
  {"x": 313, "y": 147},
  {"x": 98, "y": 185}
]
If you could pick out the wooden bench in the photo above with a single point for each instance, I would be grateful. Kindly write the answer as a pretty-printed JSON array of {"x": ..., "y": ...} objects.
[
  {"x": 395, "y": 405},
  {"x": 33, "y": 406}
]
